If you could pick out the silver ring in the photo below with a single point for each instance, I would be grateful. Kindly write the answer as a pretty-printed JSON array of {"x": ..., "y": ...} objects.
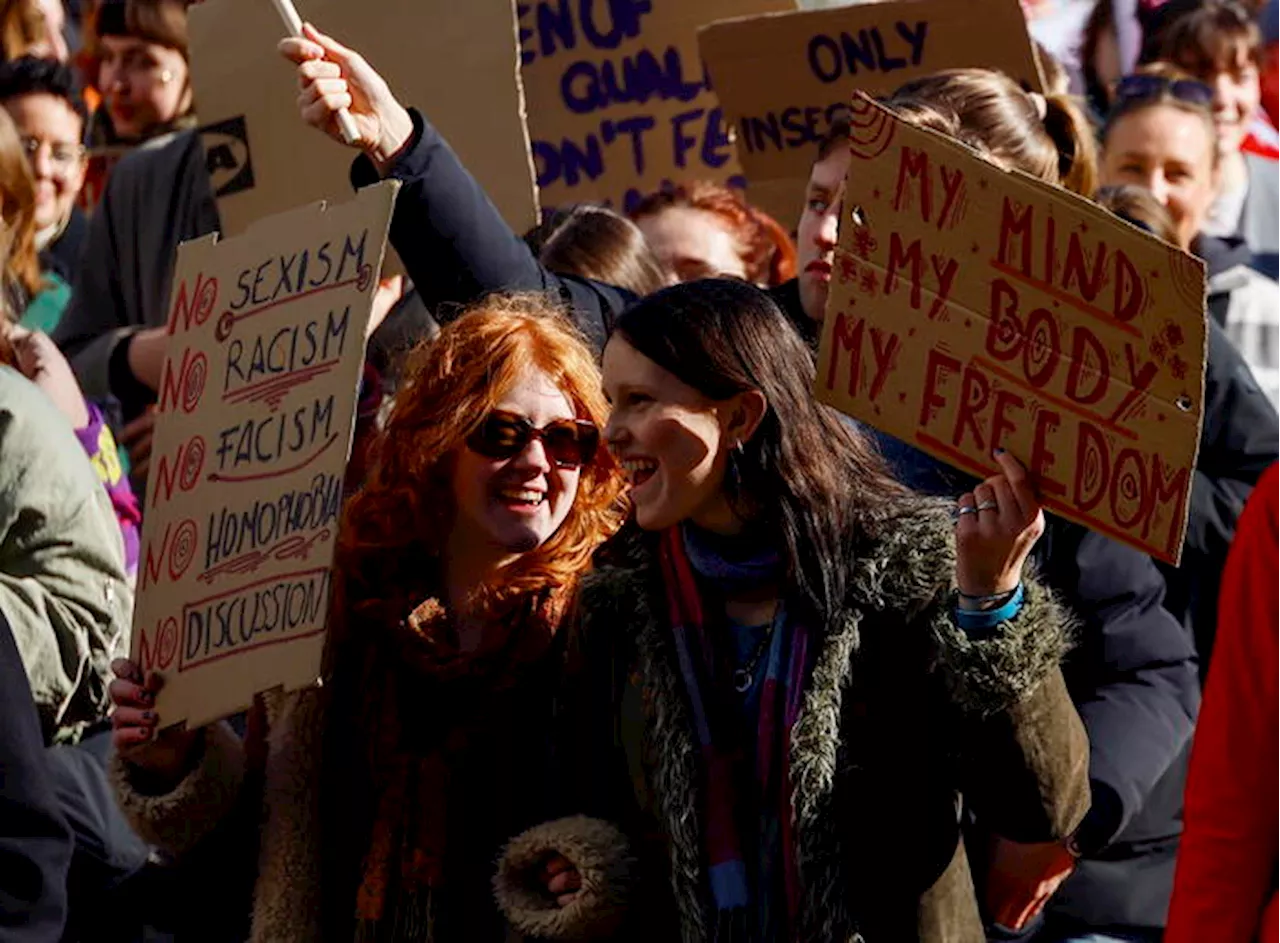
[
  {"x": 988, "y": 506},
  {"x": 963, "y": 510}
]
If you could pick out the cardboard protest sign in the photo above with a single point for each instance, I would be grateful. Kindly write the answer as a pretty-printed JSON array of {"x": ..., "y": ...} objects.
[
  {"x": 254, "y": 425},
  {"x": 618, "y": 100},
  {"x": 458, "y": 63},
  {"x": 782, "y": 78},
  {"x": 974, "y": 309}
]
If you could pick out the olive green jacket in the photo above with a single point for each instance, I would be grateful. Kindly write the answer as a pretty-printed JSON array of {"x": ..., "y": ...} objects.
[{"x": 62, "y": 578}]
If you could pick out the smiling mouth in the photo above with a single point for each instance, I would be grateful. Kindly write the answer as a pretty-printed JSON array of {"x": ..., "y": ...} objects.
[
  {"x": 527, "y": 498},
  {"x": 639, "y": 470}
]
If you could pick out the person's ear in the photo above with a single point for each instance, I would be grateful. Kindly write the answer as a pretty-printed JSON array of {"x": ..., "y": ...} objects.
[{"x": 744, "y": 415}]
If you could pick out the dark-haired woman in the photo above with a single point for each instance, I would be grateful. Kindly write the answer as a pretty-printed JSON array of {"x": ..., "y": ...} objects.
[
  {"x": 798, "y": 668},
  {"x": 140, "y": 48}
]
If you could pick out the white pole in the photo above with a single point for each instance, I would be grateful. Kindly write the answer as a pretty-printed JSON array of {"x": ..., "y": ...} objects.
[{"x": 293, "y": 23}]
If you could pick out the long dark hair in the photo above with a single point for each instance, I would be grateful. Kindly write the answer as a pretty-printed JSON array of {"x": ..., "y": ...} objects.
[{"x": 807, "y": 475}]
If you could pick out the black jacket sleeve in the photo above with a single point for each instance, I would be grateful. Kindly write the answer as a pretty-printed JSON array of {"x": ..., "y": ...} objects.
[
  {"x": 1238, "y": 442},
  {"x": 35, "y": 843},
  {"x": 456, "y": 246},
  {"x": 1132, "y": 675}
]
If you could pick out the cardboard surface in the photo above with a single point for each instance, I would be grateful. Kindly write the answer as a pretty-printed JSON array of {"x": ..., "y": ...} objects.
[
  {"x": 618, "y": 99},
  {"x": 457, "y": 62},
  {"x": 252, "y": 435},
  {"x": 781, "y": 78},
  {"x": 973, "y": 309}
]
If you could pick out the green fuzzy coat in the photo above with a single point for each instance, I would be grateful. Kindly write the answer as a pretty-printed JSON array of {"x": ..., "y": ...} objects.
[{"x": 904, "y": 722}]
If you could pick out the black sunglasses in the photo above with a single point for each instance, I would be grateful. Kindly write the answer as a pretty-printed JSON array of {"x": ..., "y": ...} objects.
[
  {"x": 570, "y": 443},
  {"x": 1140, "y": 87}
]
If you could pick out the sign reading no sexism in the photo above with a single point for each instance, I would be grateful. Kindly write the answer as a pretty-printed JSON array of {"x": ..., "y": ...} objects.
[{"x": 253, "y": 431}]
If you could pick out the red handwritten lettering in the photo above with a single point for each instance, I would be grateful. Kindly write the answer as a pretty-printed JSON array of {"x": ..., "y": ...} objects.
[
  {"x": 153, "y": 559},
  {"x": 194, "y": 306},
  {"x": 1088, "y": 357},
  {"x": 183, "y": 471},
  {"x": 914, "y": 166},
  {"x": 975, "y": 391},
  {"x": 184, "y": 387},
  {"x": 1015, "y": 232},
  {"x": 1001, "y": 424},
  {"x": 883, "y": 352},
  {"x": 936, "y": 369},
  {"x": 1081, "y": 278},
  {"x": 1093, "y": 468},
  {"x": 1047, "y": 422},
  {"x": 1043, "y": 350},
  {"x": 915, "y": 173},
  {"x": 898, "y": 258},
  {"x": 1171, "y": 491},
  {"x": 1140, "y": 380},
  {"x": 952, "y": 194},
  {"x": 946, "y": 275}
]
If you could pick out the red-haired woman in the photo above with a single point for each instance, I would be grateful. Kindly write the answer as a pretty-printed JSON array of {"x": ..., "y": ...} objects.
[
  {"x": 388, "y": 793},
  {"x": 702, "y": 229}
]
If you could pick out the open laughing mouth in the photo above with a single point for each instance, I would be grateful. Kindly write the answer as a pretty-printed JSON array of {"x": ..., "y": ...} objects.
[{"x": 639, "y": 470}]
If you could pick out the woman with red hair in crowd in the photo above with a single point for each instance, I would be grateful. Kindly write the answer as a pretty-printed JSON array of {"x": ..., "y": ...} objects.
[
  {"x": 702, "y": 229},
  {"x": 390, "y": 790}
]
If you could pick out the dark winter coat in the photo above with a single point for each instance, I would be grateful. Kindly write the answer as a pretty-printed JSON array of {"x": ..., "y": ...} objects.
[
  {"x": 35, "y": 842},
  {"x": 905, "y": 721},
  {"x": 1132, "y": 676}
]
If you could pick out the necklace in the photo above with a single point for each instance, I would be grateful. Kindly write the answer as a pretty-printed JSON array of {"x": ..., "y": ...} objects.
[{"x": 745, "y": 676}]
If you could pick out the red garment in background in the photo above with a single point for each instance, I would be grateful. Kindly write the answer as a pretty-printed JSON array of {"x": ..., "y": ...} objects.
[
  {"x": 1263, "y": 139},
  {"x": 1225, "y": 888}
]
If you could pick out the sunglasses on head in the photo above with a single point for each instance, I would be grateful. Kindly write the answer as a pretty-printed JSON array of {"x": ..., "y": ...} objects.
[
  {"x": 1139, "y": 87},
  {"x": 569, "y": 443}
]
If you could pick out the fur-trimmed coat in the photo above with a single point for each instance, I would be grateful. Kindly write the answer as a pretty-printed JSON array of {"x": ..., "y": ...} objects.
[
  {"x": 905, "y": 720},
  {"x": 272, "y": 780}
]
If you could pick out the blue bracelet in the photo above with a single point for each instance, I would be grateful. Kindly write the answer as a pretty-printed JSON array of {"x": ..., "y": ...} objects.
[{"x": 984, "y": 620}]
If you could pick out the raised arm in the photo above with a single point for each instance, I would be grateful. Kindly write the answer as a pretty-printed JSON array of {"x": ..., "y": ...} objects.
[{"x": 453, "y": 241}]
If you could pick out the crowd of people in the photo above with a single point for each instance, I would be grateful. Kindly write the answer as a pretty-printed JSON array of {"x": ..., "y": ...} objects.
[{"x": 630, "y": 637}]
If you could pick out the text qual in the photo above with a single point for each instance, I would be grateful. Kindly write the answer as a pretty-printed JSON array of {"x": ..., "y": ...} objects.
[
  {"x": 974, "y": 309},
  {"x": 618, "y": 101},
  {"x": 253, "y": 430},
  {"x": 782, "y": 78}
]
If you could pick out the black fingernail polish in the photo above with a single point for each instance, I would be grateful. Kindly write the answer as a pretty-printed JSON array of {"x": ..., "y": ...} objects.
[
  {"x": 148, "y": 715},
  {"x": 999, "y": 451}
]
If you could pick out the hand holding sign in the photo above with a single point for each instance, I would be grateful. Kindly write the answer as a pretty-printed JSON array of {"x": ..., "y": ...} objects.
[
  {"x": 997, "y": 525},
  {"x": 134, "y": 722},
  {"x": 335, "y": 80}
]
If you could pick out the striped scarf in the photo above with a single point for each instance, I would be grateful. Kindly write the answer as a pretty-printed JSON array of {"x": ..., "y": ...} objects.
[{"x": 741, "y": 912}]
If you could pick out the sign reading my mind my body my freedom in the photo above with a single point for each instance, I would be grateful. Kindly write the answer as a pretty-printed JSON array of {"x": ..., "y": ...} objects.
[
  {"x": 253, "y": 430},
  {"x": 781, "y": 78},
  {"x": 973, "y": 309}
]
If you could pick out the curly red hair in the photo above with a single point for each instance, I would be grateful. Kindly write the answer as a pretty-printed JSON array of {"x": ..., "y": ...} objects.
[
  {"x": 766, "y": 249},
  {"x": 395, "y": 526}
]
